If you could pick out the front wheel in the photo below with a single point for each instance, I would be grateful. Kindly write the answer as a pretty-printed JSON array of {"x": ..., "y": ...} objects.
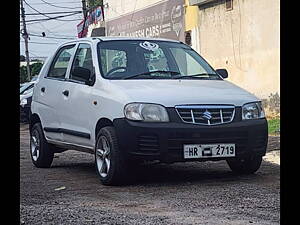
[
  {"x": 245, "y": 165},
  {"x": 111, "y": 165},
  {"x": 40, "y": 151}
]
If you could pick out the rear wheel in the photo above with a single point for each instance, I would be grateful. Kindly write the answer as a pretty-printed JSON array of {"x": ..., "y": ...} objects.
[
  {"x": 245, "y": 165},
  {"x": 40, "y": 151},
  {"x": 111, "y": 165}
]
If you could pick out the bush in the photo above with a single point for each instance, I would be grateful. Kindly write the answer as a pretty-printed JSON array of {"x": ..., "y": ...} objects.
[{"x": 35, "y": 68}]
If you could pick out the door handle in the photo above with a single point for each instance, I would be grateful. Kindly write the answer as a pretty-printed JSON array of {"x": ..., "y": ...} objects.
[
  {"x": 43, "y": 89},
  {"x": 66, "y": 92}
]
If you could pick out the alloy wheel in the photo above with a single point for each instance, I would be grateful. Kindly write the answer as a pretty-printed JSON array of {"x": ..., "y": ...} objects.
[
  {"x": 103, "y": 156},
  {"x": 35, "y": 145}
]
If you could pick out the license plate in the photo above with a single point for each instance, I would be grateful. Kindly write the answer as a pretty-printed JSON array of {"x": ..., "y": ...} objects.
[{"x": 208, "y": 151}]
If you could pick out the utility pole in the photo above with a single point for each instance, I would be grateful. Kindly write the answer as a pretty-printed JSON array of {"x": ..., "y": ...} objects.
[
  {"x": 84, "y": 15},
  {"x": 25, "y": 36}
]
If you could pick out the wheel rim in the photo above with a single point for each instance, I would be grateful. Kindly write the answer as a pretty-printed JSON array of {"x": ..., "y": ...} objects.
[
  {"x": 103, "y": 156},
  {"x": 35, "y": 145}
]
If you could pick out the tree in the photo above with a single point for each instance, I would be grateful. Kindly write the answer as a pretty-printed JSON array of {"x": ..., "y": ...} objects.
[
  {"x": 22, "y": 58},
  {"x": 35, "y": 68},
  {"x": 23, "y": 74},
  {"x": 94, "y": 3}
]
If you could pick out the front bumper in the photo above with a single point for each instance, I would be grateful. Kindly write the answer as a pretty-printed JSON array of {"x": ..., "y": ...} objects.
[{"x": 164, "y": 141}]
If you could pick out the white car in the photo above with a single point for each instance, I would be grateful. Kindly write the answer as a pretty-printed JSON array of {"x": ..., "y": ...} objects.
[{"x": 127, "y": 100}]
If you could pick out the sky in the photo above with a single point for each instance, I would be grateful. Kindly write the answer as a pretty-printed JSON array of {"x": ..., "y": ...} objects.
[{"x": 52, "y": 28}]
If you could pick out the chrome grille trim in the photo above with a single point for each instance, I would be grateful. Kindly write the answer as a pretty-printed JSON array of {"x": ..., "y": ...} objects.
[{"x": 220, "y": 114}]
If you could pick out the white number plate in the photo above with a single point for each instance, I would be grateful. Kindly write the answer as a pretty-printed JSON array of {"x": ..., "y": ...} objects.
[{"x": 208, "y": 151}]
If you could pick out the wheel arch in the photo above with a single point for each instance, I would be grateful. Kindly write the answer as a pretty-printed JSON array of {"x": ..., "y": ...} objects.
[
  {"x": 102, "y": 122},
  {"x": 34, "y": 118}
]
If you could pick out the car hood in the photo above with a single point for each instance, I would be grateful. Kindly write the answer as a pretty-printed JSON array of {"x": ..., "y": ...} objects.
[{"x": 177, "y": 92}]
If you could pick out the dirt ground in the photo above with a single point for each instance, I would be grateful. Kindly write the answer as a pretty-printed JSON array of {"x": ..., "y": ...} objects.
[{"x": 182, "y": 193}]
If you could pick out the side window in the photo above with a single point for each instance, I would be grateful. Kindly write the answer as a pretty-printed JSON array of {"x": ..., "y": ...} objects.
[
  {"x": 82, "y": 64},
  {"x": 60, "y": 63}
]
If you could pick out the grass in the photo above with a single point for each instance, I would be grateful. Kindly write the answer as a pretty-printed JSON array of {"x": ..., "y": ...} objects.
[{"x": 274, "y": 126}]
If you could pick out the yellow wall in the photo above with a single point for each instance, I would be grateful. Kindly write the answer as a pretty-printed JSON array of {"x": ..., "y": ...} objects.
[{"x": 191, "y": 16}]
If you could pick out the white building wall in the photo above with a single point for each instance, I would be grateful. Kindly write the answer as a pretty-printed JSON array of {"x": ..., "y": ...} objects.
[
  {"x": 245, "y": 41},
  {"x": 117, "y": 8}
]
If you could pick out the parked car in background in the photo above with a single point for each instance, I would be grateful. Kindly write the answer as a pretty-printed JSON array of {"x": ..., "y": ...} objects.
[
  {"x": 25, "y": 101},
  {"x": 34, "y": 78},
  {"x": 127, "y": 100}
]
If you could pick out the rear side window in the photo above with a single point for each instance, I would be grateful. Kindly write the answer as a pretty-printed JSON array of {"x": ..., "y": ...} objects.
[{"x": 61, "y": 61}]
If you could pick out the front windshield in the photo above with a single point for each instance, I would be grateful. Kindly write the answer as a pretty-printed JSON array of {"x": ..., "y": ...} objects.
[{"x": 139, "y": 59}]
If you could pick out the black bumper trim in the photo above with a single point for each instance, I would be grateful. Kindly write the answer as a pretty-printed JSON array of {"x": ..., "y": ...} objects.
[{"x": 164, "y": 141}]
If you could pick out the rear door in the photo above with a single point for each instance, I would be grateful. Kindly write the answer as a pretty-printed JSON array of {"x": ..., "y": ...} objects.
[
  {"x": 49, "y": 91},
  {"x": 78, "y": 104}
]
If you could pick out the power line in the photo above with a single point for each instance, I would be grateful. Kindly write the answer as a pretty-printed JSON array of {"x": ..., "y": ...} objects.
[
  {"x": 53, "y": 18},
  {"x": 64, "y": 7},
  {"x": 49, "y": 18},
  {"x": 35, "y": 14},
  {"x": 59, "y": 35},
  {"x": 30, "y": 22},
  {"x": 37, "y": 35},
  {"x": 45, "y": 43},
  {"x": 42, "y": 3}
]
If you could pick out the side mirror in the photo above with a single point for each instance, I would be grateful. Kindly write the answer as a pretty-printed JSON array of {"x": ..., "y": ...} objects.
[
  {"x": 83, "y": 74},
  {"x": 223, "y": 73}
]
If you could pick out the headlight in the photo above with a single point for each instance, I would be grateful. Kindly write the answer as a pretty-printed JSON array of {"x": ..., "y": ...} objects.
[
  {"x": 252, "y": 111},
  {"x": 23, "y": 102},
  {"x": 146, "y": 112}
]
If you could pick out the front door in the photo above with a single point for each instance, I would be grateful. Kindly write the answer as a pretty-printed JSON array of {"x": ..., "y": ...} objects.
[{"x": 78, "y": 104}]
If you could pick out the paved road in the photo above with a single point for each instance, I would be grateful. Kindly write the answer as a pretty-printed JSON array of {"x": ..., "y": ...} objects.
[{"x": 180, "y": 193}]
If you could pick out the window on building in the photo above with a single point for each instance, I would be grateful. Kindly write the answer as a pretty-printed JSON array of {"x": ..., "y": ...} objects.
[
  {"x": 229, "y": 4},
  {"x": 188, "y": 38}
]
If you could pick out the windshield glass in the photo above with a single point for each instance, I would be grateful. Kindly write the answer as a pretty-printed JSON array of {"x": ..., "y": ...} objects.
[{"x": 139, "y": 59}]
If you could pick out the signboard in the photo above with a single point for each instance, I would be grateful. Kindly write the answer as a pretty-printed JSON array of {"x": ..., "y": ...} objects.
[
  {"x": 165, "y": 20},
  {"x": 93, "y": 17}
]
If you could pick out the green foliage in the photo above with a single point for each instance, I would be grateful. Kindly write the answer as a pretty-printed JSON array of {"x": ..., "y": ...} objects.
[
  {"x": 23, "y": 74},
  {"x": 94, "y": 3},
  {"x": 274, "y": 126},
  {"x": 34, "y": 70}
]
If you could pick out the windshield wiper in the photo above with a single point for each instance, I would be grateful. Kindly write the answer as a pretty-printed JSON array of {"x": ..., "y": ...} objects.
[
  {"x": 150, "y": 72},
  {"x": 200, "y": 75}
]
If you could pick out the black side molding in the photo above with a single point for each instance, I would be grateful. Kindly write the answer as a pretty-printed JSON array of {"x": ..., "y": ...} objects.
[{"x": 66, "y": 131}]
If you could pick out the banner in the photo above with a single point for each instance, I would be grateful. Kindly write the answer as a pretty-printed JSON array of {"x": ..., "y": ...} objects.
[
  {"x": 93, "y": 17},
  {"x": 165, "y": 20}
]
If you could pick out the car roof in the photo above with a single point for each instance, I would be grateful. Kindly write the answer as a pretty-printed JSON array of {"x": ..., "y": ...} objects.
[{"x": 118, "y": 38}]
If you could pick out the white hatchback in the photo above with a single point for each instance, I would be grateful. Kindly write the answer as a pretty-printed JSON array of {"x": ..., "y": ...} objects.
[{"x": 127, "y": 100}]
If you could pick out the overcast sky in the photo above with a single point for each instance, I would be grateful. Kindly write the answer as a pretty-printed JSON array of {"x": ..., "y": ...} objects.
[{"x": 52, "y": 28}]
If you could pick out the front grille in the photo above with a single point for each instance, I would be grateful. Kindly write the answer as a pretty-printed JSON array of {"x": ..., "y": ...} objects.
[{"x": 206, "y": 114}]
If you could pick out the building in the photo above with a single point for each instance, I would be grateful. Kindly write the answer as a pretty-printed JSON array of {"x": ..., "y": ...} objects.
[{"x": 239, "y": 35}]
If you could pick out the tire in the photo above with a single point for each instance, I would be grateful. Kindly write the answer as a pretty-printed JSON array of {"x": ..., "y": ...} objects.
[
  {"x": 245, "y": 165},
  {"x": 111, "y": 165},
  {"x": 40, "y": 151}
]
